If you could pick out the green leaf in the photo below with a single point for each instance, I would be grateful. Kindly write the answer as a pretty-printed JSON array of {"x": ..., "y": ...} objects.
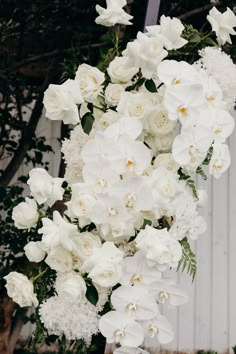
[
  {"x": 145, "y": 223},
  {"x": 92, "y": 294},
  {"x": 87, "y": 122},
  {"x": 188, "y": 261},
  {"x": 201, "y": 173},
  {"x": 150, "y": 85}
]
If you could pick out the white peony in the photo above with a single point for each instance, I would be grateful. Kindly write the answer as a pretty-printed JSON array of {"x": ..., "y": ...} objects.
[
  {"x": 70, "y": 286},
  {"x": 20, "y": 289},
  {"x": 222, "y": 24},
  {"x": 113, "y": 14},
  {"x": 119, "y": 72},
  {"x": 90, "y": 81},
  {"x": 160, "y": 248},
  {"x": 169, "y": 32},
  {"x": 44, "y": 188},
  {"x": 121, "y": 328},
  {"x": 25, "y": 214},
  {"x": 60, "y": 102},
  {"x": 113, "y": 94},
  {"x": 34, "y": 251},
  {"x": 145, "y": 53}
]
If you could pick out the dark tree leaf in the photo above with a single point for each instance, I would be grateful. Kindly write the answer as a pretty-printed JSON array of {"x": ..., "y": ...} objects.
[
  {"x": 150, "y": 85},
  {"x": 87, "y": 122}
]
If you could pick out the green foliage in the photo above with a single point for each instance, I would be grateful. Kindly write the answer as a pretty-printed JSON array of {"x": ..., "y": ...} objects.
[
  {"x": 150, "y": 85},
  {"x": 189, "y": 181},
  {"x": 91, "y": 293},
  {"x": 87, "y": 122},
  {"x": 188, "y": 261},
  {"x": 201, "y": 173},
  {"x": 234, "y": 349}
]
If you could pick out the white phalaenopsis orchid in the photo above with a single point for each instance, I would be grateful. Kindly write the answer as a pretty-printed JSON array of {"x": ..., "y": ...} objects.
[
  {"x": 113, "y": 14},
  {"x": 159, "y": 328},
  {"x": 167, "y": 292},
  {"x": 121, "y": 328},
  {"x": 222, "y": 24},
  {"x": 135, "y": 301}
]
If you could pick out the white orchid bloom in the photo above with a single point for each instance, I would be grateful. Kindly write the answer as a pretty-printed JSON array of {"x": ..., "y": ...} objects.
[
  {"x": 159, "y": 328},
  {"x": 121, "y": 328},
  {"x": 125, "y": 126},
  {"x": 220, "y": 159},
  {"x": 172, "y": 72},
  {"x": 137, "y": 271},
  {"x": 135, "y": 301},
  {"x": 113, "y": 14},
  {"x": 169, "y": 32},
  {"x": 192, "y": 145},
  {"x": 222, "y": 24},
  {"x": 167, "y": 292}
]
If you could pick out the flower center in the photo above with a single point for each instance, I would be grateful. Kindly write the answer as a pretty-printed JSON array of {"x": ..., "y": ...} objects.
[
  {"x": 119, "y": 334},
  {"x": 112, "y": 212},
  {"x": 152, "y": 329},
  {"x": 132, "y": 307},
  {"x": 136, "y": 279},
  {"x": 163, "y": 296},
  {"x": 183, "y": 111}
]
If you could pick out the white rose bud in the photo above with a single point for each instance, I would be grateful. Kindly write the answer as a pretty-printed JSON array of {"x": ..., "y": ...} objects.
[
  {"x": 20, "y": 289},
  {"x": 34, "y": 251},
  {"x": 60, "y": 259},
  {"x": 44, "y": 188},
  {"x": 25, "y": 214},
  {"x": 113, "y": 93},
  {"x": 70, "y": 286},
  {"x": 106, "y": 274},
  {"x": 90, "y": 81},
  {"x": 107, "y": 119}
]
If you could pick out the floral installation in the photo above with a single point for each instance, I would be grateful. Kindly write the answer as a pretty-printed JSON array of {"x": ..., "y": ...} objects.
[{"x": 129, "y": 205}]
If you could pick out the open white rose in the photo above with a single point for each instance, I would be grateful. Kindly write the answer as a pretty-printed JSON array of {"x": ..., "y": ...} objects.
[
  {"x": 160, "y": 248},
  {"x": 145, "y": 53},
  {"x": 44, "y": 188},
  {"x": 222, "y": 24},
  {"x": 106, "y": 274},
  {"x": 107, "y": 119},
  {"x": 34, "y": 251},
  {"x": 169, "y": 32},
  {"x": 90, "y": 80},
  {"x": 167, "y": 161},
  {"x": 159, "y": 123},
  {"x": 113, "y": 14},
  {"x": 60, "y": 259},
  {"x": 119, "y": 72},
  {"x": 85, "y": 244},
  {"x": 60, "y": 102},
  {"x": 20, "y": 289},
  {"x": 70, "y": 286},
  {"x": 25, "y": 214},
  {"x": 113, "y": 93}
]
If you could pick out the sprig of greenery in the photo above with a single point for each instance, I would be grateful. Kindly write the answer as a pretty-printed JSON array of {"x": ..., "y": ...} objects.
[
  {"x": 188, "y": 261},
  {"x": 189, "y": 181}
]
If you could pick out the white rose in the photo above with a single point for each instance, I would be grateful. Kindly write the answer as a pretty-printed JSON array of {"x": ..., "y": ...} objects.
[
  {"x": 113, "y": 14},
  {"x": 106, "y": 274},
  {"x": 34, "y": 251},
  {"x": 222, "y": 24},
  {"x": 169, "y": 32},
  {"x": 167, "y": 161},
  {"x": 113, "y": 93},
  {"x": 25, "y": 214},
  {"x": 20, "y": 289},
  {"x": 107, "y": 119},
  {"x": 70, "y": 286},
  {"x": 90, "y": 80},
  {"x": 160, "y": 248},
  {"x": 60, "y": 259},
  {"x": 44, "y": 188},
  {"x": 160, "y": 143},
  {"x": 159, "y": 123},
  {"x": 145, "y": 53},
  {"x": 86, "y": 242},
  {"x": 119, "y": 72},
  {"x": 60, "y": 102},
  {"x": 134, "y": 105}
]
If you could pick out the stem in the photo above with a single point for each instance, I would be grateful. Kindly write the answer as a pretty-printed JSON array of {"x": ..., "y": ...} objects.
[{"x": 39, "y": 275}]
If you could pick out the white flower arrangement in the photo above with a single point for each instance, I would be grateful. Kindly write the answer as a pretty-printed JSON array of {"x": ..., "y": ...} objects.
[{"x": 131, "y": 205}]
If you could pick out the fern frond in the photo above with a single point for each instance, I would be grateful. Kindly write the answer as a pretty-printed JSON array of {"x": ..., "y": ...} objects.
[{"x": 188, "y": 261}]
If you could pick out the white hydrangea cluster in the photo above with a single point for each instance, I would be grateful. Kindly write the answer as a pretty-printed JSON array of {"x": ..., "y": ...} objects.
[
  {"x": 133, "y": 204},
  {"x": 220, "y": 67}
]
